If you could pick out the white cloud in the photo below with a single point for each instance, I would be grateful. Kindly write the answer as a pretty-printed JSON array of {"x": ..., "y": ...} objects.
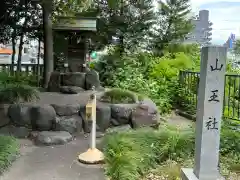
[{"x": 223, "y": 15}]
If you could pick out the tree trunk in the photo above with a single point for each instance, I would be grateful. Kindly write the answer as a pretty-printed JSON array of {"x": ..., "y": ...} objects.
[
  {"x": 20, "y": 49},
  {"x": 121, "y": 38},
  {"x": 48, "y": 42},
  {"x": 14, "y": 51},
  {"x": 21, "y": 43},
  {"x": 38, "y": 60}
]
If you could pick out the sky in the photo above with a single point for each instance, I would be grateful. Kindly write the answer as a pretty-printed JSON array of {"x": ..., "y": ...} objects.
[{"x": 224, "y": 14}]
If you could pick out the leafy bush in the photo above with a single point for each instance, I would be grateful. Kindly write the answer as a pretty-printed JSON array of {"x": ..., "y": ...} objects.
[
  {"x": 129, "y": 155},
  {"x": 116, "y": 96},
  {"x": 154, "y": 77},
  {"x": 14, "y": 93},
  {"x": 18, "y": 78},
  {"x": 9, "y": 148}
]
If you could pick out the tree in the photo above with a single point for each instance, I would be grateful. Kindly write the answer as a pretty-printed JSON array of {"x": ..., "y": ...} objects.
[
  {"x": 236, "y": 48},
  {"x": 174, "y": 23},
  {"x": 127, "y": 20}
]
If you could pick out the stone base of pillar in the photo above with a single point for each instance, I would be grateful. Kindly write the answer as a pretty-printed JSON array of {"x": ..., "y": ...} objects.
[
  {"x": 187, "y": 174},
  {"x": 91, "y": 156}
]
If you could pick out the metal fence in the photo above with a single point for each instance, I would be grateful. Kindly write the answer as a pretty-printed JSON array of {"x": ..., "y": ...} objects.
[
  {"x": 30, "y": 69},
  {"x": 189, "y": 81}
]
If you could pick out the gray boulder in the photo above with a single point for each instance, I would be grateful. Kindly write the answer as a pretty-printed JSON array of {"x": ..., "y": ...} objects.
[
  {"x": 71, "y": 124},
  {"x": 71, "y": 89},
  {"x": 92, "y": 79},
  {"x": 121, "y": 113},
  {"x": 152, "y": 107},
  {"x": 66, "y": 110},
  {"x": 4, "y": 120},
  {"x": 114, "y": 122},
  {"x": 20, "y": 114},
  {"x": 119, "y": 129},
  {"x": 18, "y": 132},
  {"x": 144, "y": 116},
  {"x": 53, "y": 138},
  {"x": 43, "y": 117},
  {"x": 103, "y": 117},
  {"x": 54, "y": 82},
  {"x": 74, "y": 79}
]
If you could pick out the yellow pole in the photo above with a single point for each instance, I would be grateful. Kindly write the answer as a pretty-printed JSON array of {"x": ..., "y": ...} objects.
[{"x": 92, "y": 155}]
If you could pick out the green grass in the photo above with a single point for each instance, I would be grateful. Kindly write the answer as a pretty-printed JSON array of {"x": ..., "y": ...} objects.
[
  {"x": 117, "y": 96},
  {"x": 131, "y": 155},
  {"x": 9, "y": 149},
  {"x": 15, "y": 93}
]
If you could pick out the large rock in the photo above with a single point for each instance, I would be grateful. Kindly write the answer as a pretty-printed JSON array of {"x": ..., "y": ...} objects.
[
  {"x": 20, "y": 114},
  {"x": 18, "y": 132},
  {"x": 43, "y": 117},
  {"x": 66, "y": 110},
  {"x": 71, "y": 124},
  {"x": 92, "y": 79},
  {"x": 71, "y": 89},
  {"x": 103, "y": 117},
  {"x": 4, "y": 120},
  {"x": 119, "y": 129},
  {"x": 152, "y": 107},
  {"x": 74, "y": 79},
  {"x": 54, "y": 82},
  {"x": 121, "y": 113},
  {"x": 114, "y": 122},
  {"x": 53, "y": 137},
  {"x": 143, "y": 116}
]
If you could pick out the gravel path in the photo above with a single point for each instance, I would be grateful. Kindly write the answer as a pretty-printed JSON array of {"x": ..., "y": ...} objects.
[
  {"x": 179, "y": 121},
  {"x": 53, "y": 163}
]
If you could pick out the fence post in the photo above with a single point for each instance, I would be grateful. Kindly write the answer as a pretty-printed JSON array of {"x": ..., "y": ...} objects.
[{"x": 180, "y": 76}]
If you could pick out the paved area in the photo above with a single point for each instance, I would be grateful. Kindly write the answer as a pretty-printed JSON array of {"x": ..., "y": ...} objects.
[
  {"x": 179, "y": 121},
  {"x": 53, "y": 163},
  {"x": 62, "y": 99},
  {"x": 60, "y": 162}
]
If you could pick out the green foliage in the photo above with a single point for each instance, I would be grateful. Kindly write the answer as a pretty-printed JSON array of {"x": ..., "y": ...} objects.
[
  {"x": 9, "y": 149},
  {"x": 174, "y": 23},
  {"x": 143, "y": 73},
  {"x": 15, "y": 93},
  {"x": 17, "y": 88},
  {"x": 237, "y": 47},
  {"x": 130, "y": 21},
  {"x": 131, "y": 154},
  {"x": 169, "y": 65},
  {"x": 18, "y": 78},
  {"x": 116, "y": 96}
]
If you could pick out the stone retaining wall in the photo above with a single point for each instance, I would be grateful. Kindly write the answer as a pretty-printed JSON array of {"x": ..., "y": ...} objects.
[{"x": 71, "y": 117}]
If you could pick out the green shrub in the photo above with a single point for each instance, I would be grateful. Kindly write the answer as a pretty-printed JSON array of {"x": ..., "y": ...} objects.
[
  {"x": 117, "y": 96},
  {"x": 15, "y": 93},
  {"x": 131, "y": 154},
  {"x": 9, "y": 148},
  {"x": 143, "y": 73},
  {"x": 18, "y": 78}
]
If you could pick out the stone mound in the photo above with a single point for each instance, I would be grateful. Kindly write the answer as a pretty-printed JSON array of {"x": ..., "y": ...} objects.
[
  {"x": 74, "y": 82},
  {"x": 53, "y": 138},
  {"x": 56, "y": 112}
]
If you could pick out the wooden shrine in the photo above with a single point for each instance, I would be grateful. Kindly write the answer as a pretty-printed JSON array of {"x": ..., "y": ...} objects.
[{"x": 72, "y": 37}]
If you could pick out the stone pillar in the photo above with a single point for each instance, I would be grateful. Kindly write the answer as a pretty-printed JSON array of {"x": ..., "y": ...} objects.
[
  {"x": 209, "y": 115},
  {"x": 48, "y": 41}
]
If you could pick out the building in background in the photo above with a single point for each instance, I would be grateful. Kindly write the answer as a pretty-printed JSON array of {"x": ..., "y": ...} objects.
[
  {"x": 29, "y": 53},
  {"x": 231, "y": 56},
  {"x": 202, "y": 30}
]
